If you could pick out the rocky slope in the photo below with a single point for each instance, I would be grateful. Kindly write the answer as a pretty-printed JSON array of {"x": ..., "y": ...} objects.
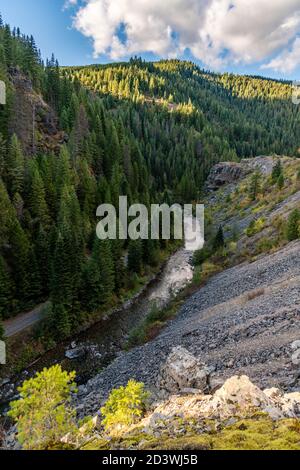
[
  {"x": 33, "y": 121},
  {"x": 242, "y": 322},
  {"x": 238, "y": 415}
]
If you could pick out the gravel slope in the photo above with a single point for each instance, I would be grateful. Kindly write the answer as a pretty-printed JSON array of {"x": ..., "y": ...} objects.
[{"x": 242, "y": 321}]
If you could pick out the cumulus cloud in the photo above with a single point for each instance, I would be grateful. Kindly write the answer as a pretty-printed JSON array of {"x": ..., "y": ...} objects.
[
  {"x": 217, "y": 32},
  {"x": 288, "y": 60}
]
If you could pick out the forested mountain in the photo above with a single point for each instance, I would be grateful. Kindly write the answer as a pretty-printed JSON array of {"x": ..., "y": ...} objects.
[{"x": 73, "y": 138}]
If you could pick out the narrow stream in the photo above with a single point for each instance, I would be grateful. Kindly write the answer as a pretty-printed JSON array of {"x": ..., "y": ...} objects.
[{"x": 102, "y": 342}]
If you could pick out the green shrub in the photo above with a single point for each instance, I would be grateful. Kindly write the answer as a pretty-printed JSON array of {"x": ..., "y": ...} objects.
[
  {"x": 255, "y": 226},
  {"x": 200, "y": 256},
  {"x": 43, "y": 414},
  {"x": 125, "y": 406}
]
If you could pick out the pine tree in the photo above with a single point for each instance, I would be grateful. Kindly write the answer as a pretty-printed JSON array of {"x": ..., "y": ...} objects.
[
  {"x": 43, "y": 414},
  {"x": 5, "y": 291},
  {"x": 280, "y": 181},
  {"x": 219, "y": 241},
  {"x": 98, "y": 280},
  {"x": 60, "y": 319},
  {"x": 3, "y": 151},
  {"x": 20, "y": 263},
  {"x": 277, "y": 171},
  {"x": 293, "y": 230},
  {"x": 37, "y": 197},
  {"x": 42, "y": 253},
  {"x": 135, "y": 256},
  {"x": 16, "y": 169},
  {"x": 255, "y": 186}
]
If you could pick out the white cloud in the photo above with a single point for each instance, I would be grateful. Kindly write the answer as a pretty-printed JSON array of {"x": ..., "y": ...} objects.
[
  {"x": 288, "y": 60},
  {"x": 216, "y": 31},
  {"x": 69, "y": 3}
]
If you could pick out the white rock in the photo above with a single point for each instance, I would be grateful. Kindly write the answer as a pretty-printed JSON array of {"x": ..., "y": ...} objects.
[
  {"x": 296, "y": 358},
  {"x": 75, "y": 353},
  {"x": 295, "y": 345},
  {"x": 183, "y": 371},
  {"x": 273, "y": 393}
]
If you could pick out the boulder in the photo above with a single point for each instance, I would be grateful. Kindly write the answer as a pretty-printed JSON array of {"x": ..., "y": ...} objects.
[
  {"x": 182, "y": 372},
  {"x": 75, "y": 353},
  {"x": 295, "y": 345},
  {"x": 238, "y": 396}
]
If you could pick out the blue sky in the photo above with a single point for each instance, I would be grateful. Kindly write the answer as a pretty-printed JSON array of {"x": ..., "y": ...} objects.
[{"x": 218, "y": 34}]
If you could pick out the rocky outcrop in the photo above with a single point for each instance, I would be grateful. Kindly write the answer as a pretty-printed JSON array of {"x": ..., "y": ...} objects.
[
  {"x": 224, "y": 173},
  {"x": 33, "y": 120},
  {"x": 183, "y": 372},
  {"x": 230, "y": 172},
  {"x": 237, "y": 398}
]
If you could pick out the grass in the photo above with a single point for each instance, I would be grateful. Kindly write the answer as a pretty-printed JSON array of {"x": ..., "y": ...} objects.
[{"x": 260, "y": 433}]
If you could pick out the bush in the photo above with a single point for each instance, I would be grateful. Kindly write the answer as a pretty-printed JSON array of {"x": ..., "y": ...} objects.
[
  {"x": 200, "y": 256},
  {"x": 255, "y": 226},
  {"x": 125, "y": 406},
  {"x": 43, "y": 414}
]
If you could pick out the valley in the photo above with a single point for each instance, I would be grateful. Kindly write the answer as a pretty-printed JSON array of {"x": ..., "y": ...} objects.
[{"x": 148, "y": 342}]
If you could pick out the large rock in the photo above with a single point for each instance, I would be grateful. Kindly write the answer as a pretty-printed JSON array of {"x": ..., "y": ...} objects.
[
  {"x": 183, "y": 372},
  {"x": 239, "y": 396},
  {"x": 75, "y": 353},
  {"x": 224, "y": 173}
]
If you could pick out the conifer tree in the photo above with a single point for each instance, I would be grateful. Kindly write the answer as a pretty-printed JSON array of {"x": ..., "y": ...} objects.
[
  {"x": 37, "y": 197},
  {"x": 255, "y": 186},
  {"x": 98, "y": 278},
  {"x": 277, "y": 171},
  {"x": 135, "y": 256},
  {"x": 280, "y": 181},
  {"x": 20, "y": 263},
  {"x": 5, "y": 291},
  {"x": 219, "y": 241},
  {"x": 293, "y": 230},
  {"x": 16, "y": 169}
]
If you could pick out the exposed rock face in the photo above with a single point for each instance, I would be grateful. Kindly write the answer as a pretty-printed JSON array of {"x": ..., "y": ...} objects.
[
  {"x": 224, "y": 173},
  {"x": 237, "y": 398},
  {"x": 183, "y": 372},
  {"x": 229, "y": 172},
  {"x": 33, "y": 120}
]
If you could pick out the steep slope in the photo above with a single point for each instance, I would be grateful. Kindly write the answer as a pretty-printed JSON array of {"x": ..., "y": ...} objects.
[{"x": 242, "y": 321}]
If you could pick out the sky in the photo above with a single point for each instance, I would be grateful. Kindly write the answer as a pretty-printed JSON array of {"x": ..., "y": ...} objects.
[{"x": 258, "y": 37}]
